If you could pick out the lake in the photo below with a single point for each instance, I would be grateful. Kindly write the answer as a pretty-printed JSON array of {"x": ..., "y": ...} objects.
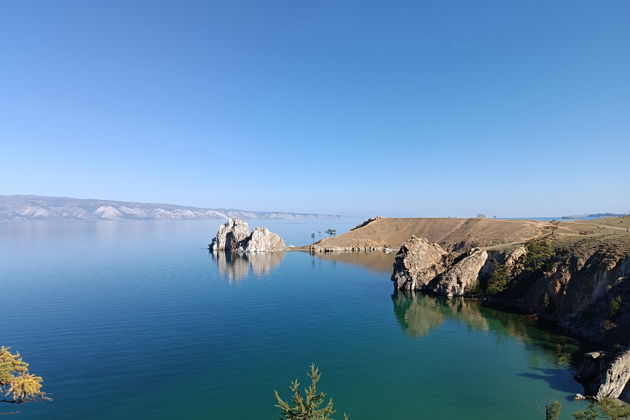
[{"x": 129, "y": 320}]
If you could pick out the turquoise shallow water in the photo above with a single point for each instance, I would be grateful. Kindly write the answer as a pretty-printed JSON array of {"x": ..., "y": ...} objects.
[{"x": 136, "y": 320}]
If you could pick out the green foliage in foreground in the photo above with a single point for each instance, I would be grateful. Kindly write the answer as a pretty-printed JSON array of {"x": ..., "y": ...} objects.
[
  {"x": 605, "y": 408},
  {"x": 552, "y": 411},
  {"x": 307, "y": 406},
  {"x": 16, "y": 383}
]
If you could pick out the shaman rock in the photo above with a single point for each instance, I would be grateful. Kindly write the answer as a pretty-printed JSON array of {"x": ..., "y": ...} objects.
[
  {"x": 261, "y": 240},
  {"x": 229, "y": 236}
]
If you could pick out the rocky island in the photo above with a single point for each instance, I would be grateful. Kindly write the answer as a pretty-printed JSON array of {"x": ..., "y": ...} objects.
[{"x": 234, "y": 236}]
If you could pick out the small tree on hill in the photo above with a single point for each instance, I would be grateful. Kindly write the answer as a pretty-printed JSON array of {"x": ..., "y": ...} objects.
[
  {"x": 313, "y": 237},
  {"x": 331, "y": 232}
]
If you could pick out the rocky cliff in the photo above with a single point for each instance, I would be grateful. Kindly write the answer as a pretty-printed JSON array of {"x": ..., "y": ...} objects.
[
  {"x": 583, "y": 286},
  {"x": 605, "y": 374},
  {"x": 427, "y": 267},
  {"x": 234, "y": 236}
]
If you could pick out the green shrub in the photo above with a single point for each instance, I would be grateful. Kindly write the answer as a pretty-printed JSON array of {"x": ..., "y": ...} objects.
[
  {"x": 605, "y": 408},
  {"x": 539, "y": 253},
  {"x": 552, "y": 411},
  {"x": 498, "y": 281},
  {"x": 615, "y": 307},
  {"x": 307, "y": 406}
]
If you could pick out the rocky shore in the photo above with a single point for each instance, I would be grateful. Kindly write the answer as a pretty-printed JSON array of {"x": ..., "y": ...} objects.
[
  {"x": 575, "y": 274},
  {"x": 583, "y": 287}
]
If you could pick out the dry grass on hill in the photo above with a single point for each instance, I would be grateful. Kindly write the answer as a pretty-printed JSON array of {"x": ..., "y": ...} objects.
[{"x": 490, "y": 233}]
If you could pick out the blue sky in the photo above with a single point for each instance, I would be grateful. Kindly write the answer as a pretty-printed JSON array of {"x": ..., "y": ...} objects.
[{"x": 420, "y": 108}]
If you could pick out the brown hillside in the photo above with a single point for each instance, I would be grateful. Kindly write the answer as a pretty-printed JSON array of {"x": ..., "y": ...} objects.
[{"x": 448, "y": 232}]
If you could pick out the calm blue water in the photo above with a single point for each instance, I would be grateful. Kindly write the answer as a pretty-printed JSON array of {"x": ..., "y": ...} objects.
[{"x": 130, "y": 320}]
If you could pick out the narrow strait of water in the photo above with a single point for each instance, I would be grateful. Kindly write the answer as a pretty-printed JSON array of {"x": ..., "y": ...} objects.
[{"x": 131, "y": 320}]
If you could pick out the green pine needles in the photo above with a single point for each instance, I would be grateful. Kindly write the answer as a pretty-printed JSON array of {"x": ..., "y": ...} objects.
[{"x": 307, "y": 406}]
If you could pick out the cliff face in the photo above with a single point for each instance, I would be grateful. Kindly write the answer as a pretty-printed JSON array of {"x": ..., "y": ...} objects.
[
  {"x": 588, "y": 294},
  {"x": 424, "y": 266},
  {"x": 582, "y": 286}
]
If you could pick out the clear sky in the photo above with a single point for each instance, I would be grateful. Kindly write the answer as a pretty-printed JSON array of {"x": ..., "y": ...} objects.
[{"x": 422, "y": 108}]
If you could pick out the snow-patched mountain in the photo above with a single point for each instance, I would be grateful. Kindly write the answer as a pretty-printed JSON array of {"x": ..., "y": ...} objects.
[{"x": 32, "y": 207}]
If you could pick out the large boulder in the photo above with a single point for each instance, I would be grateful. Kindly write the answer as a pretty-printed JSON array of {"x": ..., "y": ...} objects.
[
  {"x": 605, "y": 374},
  {"x": 261, "y": 240},
  {"x": 417, "y": 263},
  {"x": 229, "y": 236},
  {"x": 461, "y": 276}
]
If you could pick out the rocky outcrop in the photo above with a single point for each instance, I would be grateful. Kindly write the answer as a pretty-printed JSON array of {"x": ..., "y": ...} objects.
[
  {"x": 510, "y": 258},
  {"x": 461, "y": 277},
  {"x": 230, "y": 235},
  {"x": 261, "y": 240},
  {"x": 417, "y": 263},
  {"x": 605, "y": 374},
  {"x": 425, "y": 266},
  {"x": 234, "y": 236}
]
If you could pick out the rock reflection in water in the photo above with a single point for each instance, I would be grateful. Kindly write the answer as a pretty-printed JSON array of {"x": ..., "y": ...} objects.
[
  {"x": 379, "y": 262},
  {"x": 236, "y": 266},
  {"x": 419, "y": 314}
]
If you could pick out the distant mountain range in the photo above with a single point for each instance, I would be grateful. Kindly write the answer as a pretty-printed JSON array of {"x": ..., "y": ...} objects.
[
  {"x": 593, "y": 216},
  {"x": 33, "y": 207}
]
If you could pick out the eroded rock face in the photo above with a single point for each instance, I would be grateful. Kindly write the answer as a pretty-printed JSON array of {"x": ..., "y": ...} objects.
[
  {"x": 229, "y": 236},
  {"x": 261, "y": 240},
  {"x": 417, "y": 263},
  {"x": 422, "y": 265},
  {"x": 234, "y": 236},
  {"x": 605, "y": 374},
  {"x": 460, "y": 277}
]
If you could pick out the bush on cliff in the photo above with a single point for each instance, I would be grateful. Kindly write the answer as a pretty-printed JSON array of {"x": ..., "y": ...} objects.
[
  {"x": 538, "y": 256},
  {"x": 498, "y": 281}
]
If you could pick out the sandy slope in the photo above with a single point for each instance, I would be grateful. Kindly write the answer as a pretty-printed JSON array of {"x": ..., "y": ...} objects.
[
  {"x": 453, "y": 232},
  {"x": 393, "y": 232}
]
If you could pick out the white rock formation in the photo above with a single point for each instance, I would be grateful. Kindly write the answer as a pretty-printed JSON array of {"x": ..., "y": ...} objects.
[
  {"x": 261, "y": 240},
  {"x": 234, "y": 236},
  {"x": 229, "y": 236}
]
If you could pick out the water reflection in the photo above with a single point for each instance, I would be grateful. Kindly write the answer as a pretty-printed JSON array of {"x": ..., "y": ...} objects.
[
  {"x": 236, "y": 266},
  {"x": 420, "y": 314},
  {"x": 379, "y": 262}
]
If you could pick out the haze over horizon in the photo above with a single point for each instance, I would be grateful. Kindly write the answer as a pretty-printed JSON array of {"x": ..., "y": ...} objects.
[{"x": 509, "y": 109}]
